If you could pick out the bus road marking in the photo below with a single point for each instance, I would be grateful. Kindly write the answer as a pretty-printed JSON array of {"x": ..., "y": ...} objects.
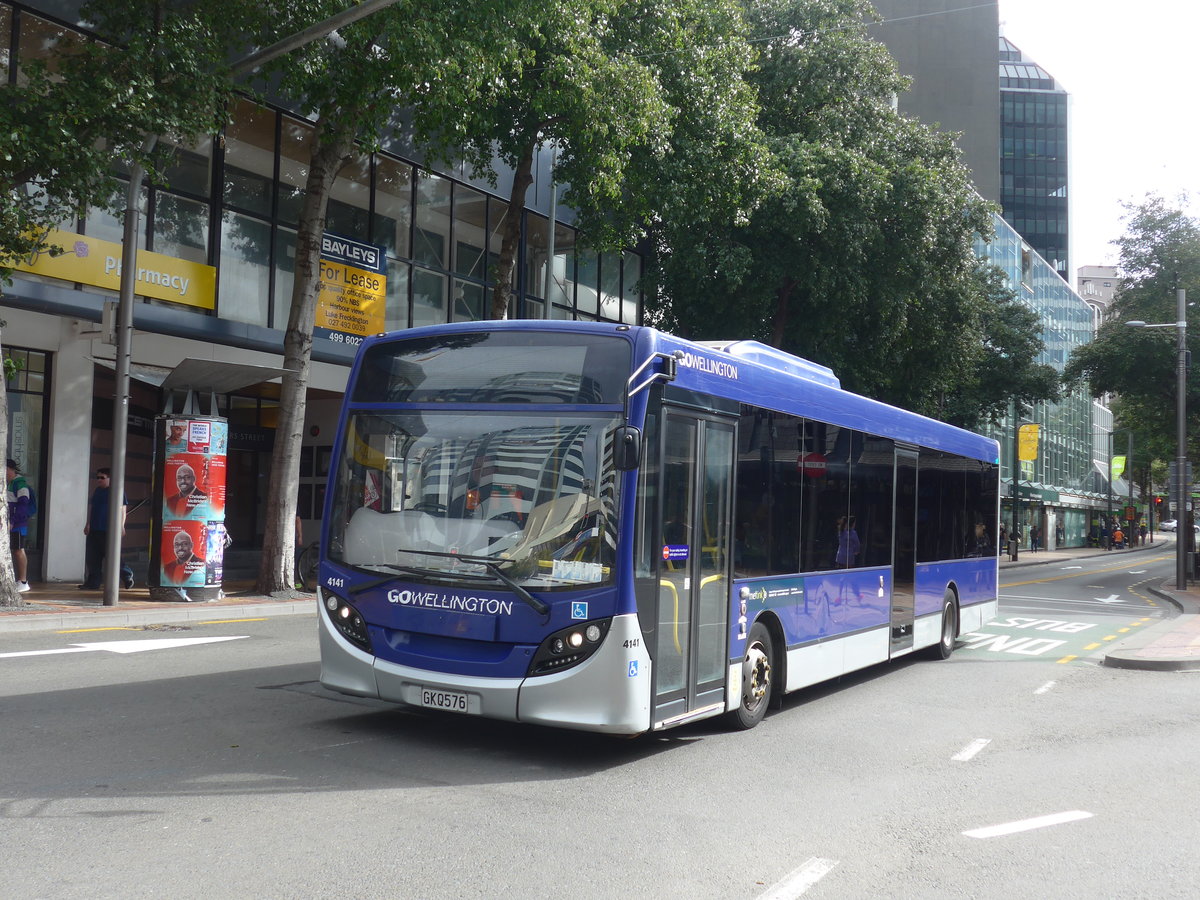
[
  {"x": 1044, "y": 688},
  {"x": 799, "y": 880},
  {"x": 971, "y": 749},
  {"x": 1028, "y": 824}
]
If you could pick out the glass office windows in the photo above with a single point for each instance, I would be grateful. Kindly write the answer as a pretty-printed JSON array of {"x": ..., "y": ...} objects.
[
  {"x": 428, "y": 297},
  {"x": 396, "y": 309},
  {"x": 285, "y": 276},
  {"x": 103, "y": 223},
  {"x": 497, "y": 222},
  {"x": 393, "y": 205},
  {"x": 431, "y": 229},
  {"x": 181, "y": 227},
  {"x": 631, "y": 277},
  {"x": 40, "y": 40},
  {"x": 349, "y": 211},
  {"x": 610, "y": 285},
  {"x": 249, "y": 170},
  {"x": 537, "y": 231},
  {"x": 190, "y": 169},
  {"x": 295, "y": 156},
  {"x": 562, "y": 285},
  {"x": 470, "y": 301},
  {"x": 587, "y": 281},
  {"x": 470, "y": 232},
  {"x": 245, "y": 280}
]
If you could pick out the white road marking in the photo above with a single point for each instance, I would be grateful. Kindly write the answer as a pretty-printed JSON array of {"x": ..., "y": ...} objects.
[
  {"x": 971, "y": 749},
  {"x": 1045, "y": 687},
  {"x": 127, "y": 646},
  {"x": 1028, "y": 824},
  {"x": 1068, "y": 568},
  {"x": 1111, "y": 598},
  {"x": 799, "y": 880}
]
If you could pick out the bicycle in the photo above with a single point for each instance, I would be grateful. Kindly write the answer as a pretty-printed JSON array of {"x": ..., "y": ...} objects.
[{"x": 306, "y": 566}]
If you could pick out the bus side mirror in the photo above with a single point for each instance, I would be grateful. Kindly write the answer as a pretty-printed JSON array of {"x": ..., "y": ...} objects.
[{"x": 627, "y": 448}]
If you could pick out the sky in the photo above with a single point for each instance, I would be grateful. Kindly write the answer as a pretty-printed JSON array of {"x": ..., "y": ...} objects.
[{"x": 1132, "y": 69}]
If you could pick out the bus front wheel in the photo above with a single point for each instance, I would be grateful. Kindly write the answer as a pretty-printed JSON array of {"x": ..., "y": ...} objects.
[
  {"x": 945, "y": 645},
  {"x": 757, "y": 683}
]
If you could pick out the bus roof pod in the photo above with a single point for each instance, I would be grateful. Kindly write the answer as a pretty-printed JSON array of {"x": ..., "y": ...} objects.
[{"x": 776, "y": 359}]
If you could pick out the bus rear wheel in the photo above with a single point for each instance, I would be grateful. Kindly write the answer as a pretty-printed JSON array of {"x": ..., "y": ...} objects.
[
  {"x": 757, "y": 678},
  {"x": 945, "y": 645}
]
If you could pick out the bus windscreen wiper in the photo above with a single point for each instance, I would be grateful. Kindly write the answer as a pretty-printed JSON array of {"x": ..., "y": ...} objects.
[{"x": 488, "y": 564}]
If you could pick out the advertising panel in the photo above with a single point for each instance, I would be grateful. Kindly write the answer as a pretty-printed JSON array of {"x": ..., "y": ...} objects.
[{"x": 192, "y": 543}]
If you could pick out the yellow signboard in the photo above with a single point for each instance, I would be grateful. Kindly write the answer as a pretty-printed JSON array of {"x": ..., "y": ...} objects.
[
  {"x": 351, "y": 299},
  {"x": 1118, "y": 467},
  {"x": 89, "y": 260},
  {"x": 1027, "y": 442}
]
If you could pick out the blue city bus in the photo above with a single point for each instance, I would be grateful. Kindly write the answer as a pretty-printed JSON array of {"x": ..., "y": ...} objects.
[{"x": 608, "y": 528}]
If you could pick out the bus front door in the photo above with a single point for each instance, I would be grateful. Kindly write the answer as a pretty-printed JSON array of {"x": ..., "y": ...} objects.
[{"x": 691, "y": 644}]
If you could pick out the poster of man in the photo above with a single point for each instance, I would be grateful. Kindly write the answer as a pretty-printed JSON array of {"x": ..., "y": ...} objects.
[
  {"x": 188, "y": 500},
  {"x": 181, "y": 563}
]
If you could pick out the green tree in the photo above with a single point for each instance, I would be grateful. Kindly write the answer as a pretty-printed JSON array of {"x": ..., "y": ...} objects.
[
  {"x": 432, "y": 63},
  {"x": 1004, "y": 369},
  {"x": 862, "y": 256},
  {"x": 1159, "y": 254},
  {"x": 85, "y": 105},
  {"x": 646, "y": 107}
]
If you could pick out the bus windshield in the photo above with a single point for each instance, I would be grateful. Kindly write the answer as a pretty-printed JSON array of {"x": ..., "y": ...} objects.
[{"x": 441, "y": 494}]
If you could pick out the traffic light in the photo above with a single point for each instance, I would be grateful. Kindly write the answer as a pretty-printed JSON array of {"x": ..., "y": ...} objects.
[{"x": 1158, "y": 503}]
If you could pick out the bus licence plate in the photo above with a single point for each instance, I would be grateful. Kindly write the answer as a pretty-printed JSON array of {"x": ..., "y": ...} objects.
[{"x": 456, "y": 701}]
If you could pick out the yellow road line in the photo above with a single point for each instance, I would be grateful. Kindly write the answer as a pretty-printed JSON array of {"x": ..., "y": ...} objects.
[{"x": 1067, "y": 659}]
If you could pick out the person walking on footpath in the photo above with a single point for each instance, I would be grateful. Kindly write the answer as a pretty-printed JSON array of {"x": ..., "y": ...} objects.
[
  {"x": 96, "y": 532},
  {"x": 20, "y": 508}
]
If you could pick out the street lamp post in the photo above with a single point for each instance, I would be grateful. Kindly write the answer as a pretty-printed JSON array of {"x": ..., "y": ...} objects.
[{"x": 1178, "y": 487}]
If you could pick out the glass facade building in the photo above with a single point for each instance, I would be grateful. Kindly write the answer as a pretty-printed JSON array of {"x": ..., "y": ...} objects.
[
  {"x": 1034, "y": 155},
  {"x": 1059, "y": 490}
]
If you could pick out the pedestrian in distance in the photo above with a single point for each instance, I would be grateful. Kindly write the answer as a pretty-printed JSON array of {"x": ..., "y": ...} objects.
[
  {"x": 95, "y": 531},
  {"x": 20, "y": 508},
  {"x": 1119, "y": 538}
]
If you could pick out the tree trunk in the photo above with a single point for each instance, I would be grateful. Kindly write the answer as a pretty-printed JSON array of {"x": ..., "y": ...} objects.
[
  {"x": 506, "y": 265},
  {"x": 276, "y": 569},
  {"x": 779, "y": 321},
  {"x": 8, "y": 583}
]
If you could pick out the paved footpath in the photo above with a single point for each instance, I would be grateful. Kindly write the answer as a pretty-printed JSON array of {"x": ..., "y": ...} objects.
[{"x": 1170, "y": 644}]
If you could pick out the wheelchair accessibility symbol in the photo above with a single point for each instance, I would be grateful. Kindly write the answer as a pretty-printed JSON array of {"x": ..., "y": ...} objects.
[
  {"x": 579, "y": 610},
  {"x": 633, "y": 668}
]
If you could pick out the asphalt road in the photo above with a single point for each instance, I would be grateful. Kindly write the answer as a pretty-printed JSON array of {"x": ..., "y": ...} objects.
[{"x": 222, "y": 768}]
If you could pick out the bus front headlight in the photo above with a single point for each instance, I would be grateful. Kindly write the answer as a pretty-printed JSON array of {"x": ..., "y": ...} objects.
[
  {"x": 347, "y": 620},
  {"x": 569, "y": 647}
]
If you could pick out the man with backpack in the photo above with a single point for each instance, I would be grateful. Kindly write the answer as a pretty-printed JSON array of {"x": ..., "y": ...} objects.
[{"x": 21, "y": 506}]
